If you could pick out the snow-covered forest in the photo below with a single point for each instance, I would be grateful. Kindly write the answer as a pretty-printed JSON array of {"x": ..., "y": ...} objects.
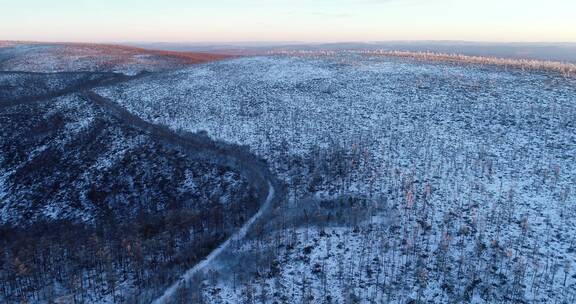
[
  {"x": 303, "y": 177},
  {"x": 407, "y": 180},
  {"x": 93, "y": 209}
]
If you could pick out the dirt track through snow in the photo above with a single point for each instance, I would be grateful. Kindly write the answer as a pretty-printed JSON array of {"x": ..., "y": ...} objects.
[
  {"x": 197, "y": 146},
  {"x": 189, "y": 275}
]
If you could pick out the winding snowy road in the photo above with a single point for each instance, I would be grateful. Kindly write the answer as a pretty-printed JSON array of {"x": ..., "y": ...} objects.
[
  {"x": 194, "y": 146},
  {"x": 240, "y": 234}
]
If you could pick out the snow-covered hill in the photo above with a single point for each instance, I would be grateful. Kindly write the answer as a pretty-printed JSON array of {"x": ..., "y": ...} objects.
[
  {"x": 468, "y": 172},
  {"x": 76, "y": 57},
  {"x": 99, "y": 207}
]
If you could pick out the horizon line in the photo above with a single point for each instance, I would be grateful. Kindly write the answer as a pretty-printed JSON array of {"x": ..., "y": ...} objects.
[{"x": 288, "y": 42}]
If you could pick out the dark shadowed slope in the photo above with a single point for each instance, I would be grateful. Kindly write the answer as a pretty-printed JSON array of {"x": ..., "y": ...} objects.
[{"x": 79, "y": 169}]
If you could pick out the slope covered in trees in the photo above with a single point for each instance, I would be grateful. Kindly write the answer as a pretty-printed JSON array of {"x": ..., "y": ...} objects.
[
  {"x": 420, "y": 181},
  {"x": 96, "y": 206},
  {"x": 81, "y": 57}
]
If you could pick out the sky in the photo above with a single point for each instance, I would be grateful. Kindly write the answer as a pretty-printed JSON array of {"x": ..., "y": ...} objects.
[{"x": 287, "y": 20}]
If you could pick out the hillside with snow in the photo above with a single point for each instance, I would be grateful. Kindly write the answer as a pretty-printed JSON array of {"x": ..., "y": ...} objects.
[
  {"x": 81, "y": 190},
  {"x": 81, "y": 57},
  {"x": 139, "y": 176},
  {"x": 419, "y": 181}
]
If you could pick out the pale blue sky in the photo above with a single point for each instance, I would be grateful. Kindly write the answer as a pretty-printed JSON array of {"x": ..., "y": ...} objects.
[{"x": 287, "y": 20}]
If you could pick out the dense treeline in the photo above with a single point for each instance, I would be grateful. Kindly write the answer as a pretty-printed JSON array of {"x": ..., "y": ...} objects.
[
  {"x": 89, "y": 263},
  {"x": 564, "y": 68}
]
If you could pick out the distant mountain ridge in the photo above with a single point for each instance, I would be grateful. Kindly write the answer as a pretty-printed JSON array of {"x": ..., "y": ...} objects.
[
  {"x": 85, "y": 57},
  {"x": 560, "y": 51}
]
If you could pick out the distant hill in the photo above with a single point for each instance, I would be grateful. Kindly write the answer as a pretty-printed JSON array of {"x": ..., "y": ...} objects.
[
  {"x": 542, "y": 51},
  {"x": 68, "y": 57}
]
